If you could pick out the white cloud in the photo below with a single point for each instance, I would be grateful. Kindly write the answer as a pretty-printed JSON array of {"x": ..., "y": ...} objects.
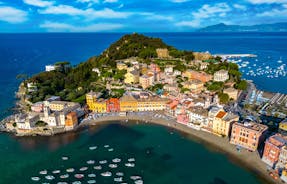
[
  {"x": 239, "y": 6},
  {"x": 179, "y": 1},
  {"x": 267, "y": 1},
  {"x": 273, "y": 13},
  {"x": 110, "y": 1},
  {"x": 152, "y": 16},
  {"x": 39, "y": 3},
  {"x": 87, "y": 13},
  {"x": 193, "y": 23},
  {"x": 63, "y": 27},
  {"x": 12, "y": 15},
  {"x": 88, "y": 1},
  {"x": 207, "y": 10}
]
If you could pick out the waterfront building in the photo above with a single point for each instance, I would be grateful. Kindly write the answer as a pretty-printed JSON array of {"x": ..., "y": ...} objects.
[
  {"x": 284, "y": 176},
  {"x": 248, "y": 135},
  {"x": 195, "y": 86},
  {"x": 198, "y": 116},
  {"x": 99, "y": 106},
  {"x": 152, "y": 104},
  {"x": 128, "y": 103},
  {"x": 221, "y": 76},
  {"x": 272, "y": 148},
  {"x": 132, "y": 77},
  {"x": 232, "y": 93},
  {"x": 222, "y": 123},
  {"x": 162, "y": 53},
  {"x": 182, "y": 118},
  {"x": 121, "y": 66},
  {"x": 282, "y": 161},
  {"x": 202, "y": 76},
  {"x": 113, "y": 105},
  {"x": 26, "y": 122},
  {"x": 60, "y": 105},
  {"x": 71, "y": 120},
  {"x": 146, "y": 80},
  {"x": 37, "y": 107}
]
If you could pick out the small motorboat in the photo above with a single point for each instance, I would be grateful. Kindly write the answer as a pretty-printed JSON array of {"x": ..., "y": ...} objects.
[
  {"x": 91, "y": 175},
  {"x": 79, "y": 176},
  {"x": 139, "y": 182},
  {"x": 131, "y": 159},
  {"x": 76, "y": 182},
  {"x": 103, "y": 161},
  {"x": 106, "y": 174},
  {"x": 65, "y": 158},
  {"x": 70, "y": 170},
  {"x": 106, "y": 146},
  {"x": 35, "y": 178},
  {"x": 61, "y": 182},
  {"x": 135, "y": 177},
  {"x": 64, "y": 176},
  {"x": 98, "y": 167},
  {"x": 129, "y": 164},
  {"x": 91, "y": 181},
  {"x": 113, "y": 166},
  {"x": 119, "y": 179},
  {"x": 49, "y": 177},
  {"x": 43, "y": 172},
  {"x": 116, "y": 160},
  {"x": 120, "y": 174},
  {"x": 83, "y": 168},
  {"x": 90, "y": 162},
  {"x": 111, "y": 149},
  {"x": 56, "y": 171},
  {"x": 93, "y": 147}
]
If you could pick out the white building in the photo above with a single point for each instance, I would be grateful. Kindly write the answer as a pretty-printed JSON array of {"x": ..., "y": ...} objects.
[
  {"x": 198, "y": 116},
  {"x": 49, "y": 68},
  {"x": 221, "y": 76}
]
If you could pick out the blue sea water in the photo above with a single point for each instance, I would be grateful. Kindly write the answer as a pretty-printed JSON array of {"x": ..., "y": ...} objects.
[{"x": 29, "y": 53}]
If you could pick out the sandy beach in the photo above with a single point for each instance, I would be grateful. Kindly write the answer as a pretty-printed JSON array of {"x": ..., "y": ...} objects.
[{"x": 248, "y": 160}]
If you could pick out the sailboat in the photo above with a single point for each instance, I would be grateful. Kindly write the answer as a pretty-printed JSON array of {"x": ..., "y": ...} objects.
[{"x": 280, "y": 60}]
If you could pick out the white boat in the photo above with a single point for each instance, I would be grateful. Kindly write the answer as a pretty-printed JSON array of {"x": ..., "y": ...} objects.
[
  {"x": 113, "y": 166},
  {"x": 98, "y": 167},
  {"x": 139, "y": 182},
  {"x": 43, "y": 172},
  {"x": 116, "y": 160},
  {"x": 120, "y": 174},
  {"x": 106, "y": 146},
  {"x": 90, "y": 162},
  {"x": 56, "y": 171},
  {"x": 119, "y": 179},
  {"x": 129, "y": 164},
  {"x": 103, "y": 161},
  {"x": 35, "y": 178},
  {"x": 133, "y": 159},
  {"x": 49, "y": 177},
  {"x": 64, "y": 176},
  {"x": 280, "y": 60},
  {"x": 111, "y": 149},
  {"x": 79, "y": 176},
  {"x": 106, "y": 174},
  {"x": 135, "y": 177},
  {"x": 70, "y": 170},
  {"x": 91, "y": 175},
  {"x": 76, "y": 182},
  {"x": 83, "y": 168},
  {"x": 61, "y": 182},
  {"x": 65, "y": 158},
  {"x": 93, "y": 147},
  {"x": 91, "y": 181}
]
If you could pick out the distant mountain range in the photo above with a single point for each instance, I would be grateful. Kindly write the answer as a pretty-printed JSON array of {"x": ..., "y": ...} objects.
[{"x": 276, "y": 27}]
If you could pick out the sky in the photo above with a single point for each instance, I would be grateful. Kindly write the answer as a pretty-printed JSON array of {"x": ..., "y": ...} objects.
[{"x": 134, "y": 15}]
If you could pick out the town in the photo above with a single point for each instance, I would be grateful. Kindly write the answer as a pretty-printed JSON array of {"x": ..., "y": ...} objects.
[{"x": 205, "y": 93}]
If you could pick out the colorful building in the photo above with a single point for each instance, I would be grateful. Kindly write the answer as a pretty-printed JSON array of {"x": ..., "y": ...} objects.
[
  {"x": 272, "y": 148},
  {"x": 283, "y": 127},
  {"x": 37, "y": 107},
  {"x": 222, "y": 123},
  {"x": 162, "y": 53},
  {"x": 202, "y": 76},
  {"x": 221, "y": 76},
  {"x": 71, "y": 120},
  {"x": 132, "y": 77},
  {"x": 248, "y": 135},
  {"x": 128, "y": 103},
  {"x": 152, "y": 104},
  {"x": 113, "y": 105},
  {"x": 146, "y": 80},
  {"x": 121, "y": 66},
  {"x": 282, "y": 161},
  {"x": 232, "y": 93},
  {"x": 195, "y": 86},
  {"x": 182, "y": 118},
  {"x": 98, "y": 105},
  {"x": 60, "y": 105}
]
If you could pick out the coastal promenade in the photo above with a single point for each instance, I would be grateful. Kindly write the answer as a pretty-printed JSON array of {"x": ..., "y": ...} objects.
[{"x": 244, "y": 158}]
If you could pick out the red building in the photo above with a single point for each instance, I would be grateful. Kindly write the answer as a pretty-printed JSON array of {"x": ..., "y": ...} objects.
[
  {"x": 113, "y": 105},
  {"x": 272, "y": 149}
]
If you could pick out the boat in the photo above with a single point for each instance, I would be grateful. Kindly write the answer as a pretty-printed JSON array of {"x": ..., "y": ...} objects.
[
  {"x": 135, "y": 177},
  {"x": 116, "y": 160},
  {"x": 56, "y": 171},
  {"x": 111, "y": 149},
  {"x": 133, "y": 159},
  {"x": 119, "y": 179},
  {"x": 103, "y": 161},
  {"x": 64, "y": 176},
  {"x": 120, "y": 174},
  {"x": 98, "y": 167},
  {"x": 61, "y": 182},
  {"x": 91, "y": 175},
  {"x": 113, "y": 165},
  {"x": 35, "y": 178},
  {"x": 280, "y": 60},
  {"x": 65, "y": 158},
  {"x": 49, "y": 177},
  {"x": 129, "y": 164},
  {"x": 106, "y": 146},
  {"x": 106, "y": 174},
  {"x": 139, "y": 182},
  {"x": 76, "y": 182},
  {"x": 43, "y": 172},
  {"x": 90, "y": 162},
  {"x": 93, "y": 147},
  {"x": 91, "y": 181},
  {"x": 70, "y": 170},
  {"x": 83, "y": 168},
  {"x": 79, "y": 176}
]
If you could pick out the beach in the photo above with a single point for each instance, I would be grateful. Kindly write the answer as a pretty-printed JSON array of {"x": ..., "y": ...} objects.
[{"x": 249, "y": 160}]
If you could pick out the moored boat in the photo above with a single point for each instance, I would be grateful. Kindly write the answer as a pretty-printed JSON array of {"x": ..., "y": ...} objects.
[
  {"x": 56, "y": 171},
  {"x": 119, "y": 179},
  {"x": 64, "y": 176},
  {"x": 35, "y": 178},
  {"x": 106, "y": 174},
  {"x": 90, "y": 162},
  {"x": 91, "y": 181},
  {"x": 91, "y": 175},
  {"x": 49, "y": 177},
  {"x": 113, "y": 165},
  {"x": 79, "y": 176},
  {"x": 43, "y": 172},
  {"x": 70, "y": 170},
  {"x": 129, "y": 164},
  {"x": 103, "y": 161},
  {"x": 93, "y": 147},
  {"x": 116, "y": 160},
  {"x": 83, "y": 168},
  {"x": 98, "y": 167}
]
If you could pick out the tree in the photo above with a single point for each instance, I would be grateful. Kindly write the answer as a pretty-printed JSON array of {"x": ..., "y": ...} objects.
[
  {"x": 242, "y": 85},
  {"x": 41, "y": 124},
  {"x": 223, "y": 97}
]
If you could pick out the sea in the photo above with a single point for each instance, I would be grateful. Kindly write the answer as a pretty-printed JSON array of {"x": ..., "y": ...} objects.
[{"x": 161, "y": 157}]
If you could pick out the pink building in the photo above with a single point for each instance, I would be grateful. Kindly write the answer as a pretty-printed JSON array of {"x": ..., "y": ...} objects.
[
  {"x": 37, "y": 107},
  {"x": 182, "y": 118}
]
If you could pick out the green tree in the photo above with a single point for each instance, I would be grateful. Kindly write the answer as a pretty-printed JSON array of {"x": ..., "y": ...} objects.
[{"x": 223, "y": 97}]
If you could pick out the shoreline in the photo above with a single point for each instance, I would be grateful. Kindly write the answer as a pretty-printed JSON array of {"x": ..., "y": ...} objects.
[{"x": 247, "y": 160}]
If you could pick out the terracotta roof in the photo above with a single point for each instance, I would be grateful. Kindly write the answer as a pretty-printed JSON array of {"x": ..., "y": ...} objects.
[{"x": 221, "y": 114}]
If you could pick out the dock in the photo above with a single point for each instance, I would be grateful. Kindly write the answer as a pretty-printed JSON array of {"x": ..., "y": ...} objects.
[{"x": 236, "y": 55}]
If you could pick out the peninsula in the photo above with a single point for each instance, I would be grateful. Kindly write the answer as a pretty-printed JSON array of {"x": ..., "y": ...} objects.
[{"x": 142, "y": 78}]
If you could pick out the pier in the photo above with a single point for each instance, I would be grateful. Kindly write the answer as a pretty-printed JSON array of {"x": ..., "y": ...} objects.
[{"x": 236, "y": 55}]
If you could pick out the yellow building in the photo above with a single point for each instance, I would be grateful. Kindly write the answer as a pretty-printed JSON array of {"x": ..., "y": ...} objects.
[
  {"x": 196, "y": 86},
  {"x": 152, "y": 104},
  {"x": 128, "y": 103},
  {"x": 132, "y": 77},
  {"x": 222, "y": 123},
  {"x": 60, "y": 105},
  {"x": 95, "y": 104},
  {"x": 121, "y": 66},
  {"x": 162, "y": 53},
  {"x": 232, "y": 93}
]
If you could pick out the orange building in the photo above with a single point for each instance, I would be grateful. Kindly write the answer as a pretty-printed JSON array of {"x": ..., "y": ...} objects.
[
  {"x": 202, "y": 76},
  {"x": 71, "y": 120},
  {"x": 248, "y": 135},
  {"x": 273, "y": 146},
  {"x": 113, "y": 105}
]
